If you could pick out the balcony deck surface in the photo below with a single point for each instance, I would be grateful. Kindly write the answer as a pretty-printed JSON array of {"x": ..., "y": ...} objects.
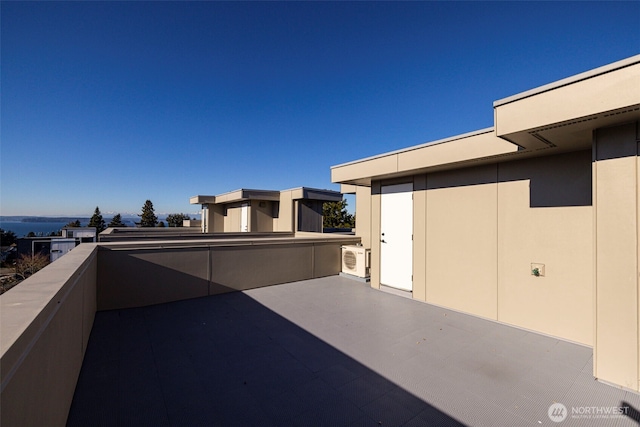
[{"x": 330, "y": 351}]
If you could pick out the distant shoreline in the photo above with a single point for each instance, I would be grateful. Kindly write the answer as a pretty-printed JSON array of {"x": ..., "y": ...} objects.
[
  {"x": 25, "y": 218},
  {"x": 54, "y": 219}
]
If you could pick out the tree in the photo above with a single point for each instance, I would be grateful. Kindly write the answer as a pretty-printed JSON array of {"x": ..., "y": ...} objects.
[
  {"x": 335, "y": 215},
  {"x": 26, "y": 265},
  {"x": 116, "y": 221},
  {"x": 175, "y": 220},
  {"x": 161, "y": 224},
  {"x": 97, "y": 221},
  {"x": 148, "y": 218},
  {"x": 75, "y": 223},
  {"x": 7, "y": 238}
]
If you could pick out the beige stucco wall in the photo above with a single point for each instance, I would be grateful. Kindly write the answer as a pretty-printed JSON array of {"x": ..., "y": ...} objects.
[
  {"x": 135, "y": 277},
  {"x": 363, "y": 215},
  {"x": 461, "y": 240},
  {"x": 477, "y": 231},
  {"x": 215, "y": 223},
  {"x": 616, "y": 193},
  {"x": 261, "y": 216},
  {"x": 144, "y": 273},
  {"x": 285, "y": 219},
  {"x": 560, "y": 237},
  {"x": 44, "y": 331}
]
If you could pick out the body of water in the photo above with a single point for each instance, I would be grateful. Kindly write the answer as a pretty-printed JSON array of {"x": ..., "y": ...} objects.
[{"x": 21, "y": 229}]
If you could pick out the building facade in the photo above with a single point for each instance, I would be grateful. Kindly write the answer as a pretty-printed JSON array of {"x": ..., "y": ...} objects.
[
  {"x": 533, "y": 222},
  {"x": 246, "y": 210}
]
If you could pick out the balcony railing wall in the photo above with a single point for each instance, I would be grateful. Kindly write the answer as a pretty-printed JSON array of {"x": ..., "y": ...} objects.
[
  {"x": 47, "y": 319},
  {"x": 46, "y": 322}
]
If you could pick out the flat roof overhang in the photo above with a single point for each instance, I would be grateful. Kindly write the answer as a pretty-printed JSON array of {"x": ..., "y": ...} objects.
[
  {"x": 554, "y": 118},
  {"x": 244, "y": 194},
  {"x": 563, "y": 114},
  {"x": 315, "y": 194},
  {"x": 470, "y": 148},
  {"x": 202, "y": 200}
]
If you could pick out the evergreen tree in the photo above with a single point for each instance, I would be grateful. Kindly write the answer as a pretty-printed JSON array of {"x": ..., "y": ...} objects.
[
  {"x": 97, "y": 221},
  {"x": 7, "y": 238},
  {"x": 175, "y": 220},
  {"x": 148, "y": 218},
  {"x": 75, "y": 223},
  {"x": 335, "y": 215},
  {"x": 116, "y": 221}
]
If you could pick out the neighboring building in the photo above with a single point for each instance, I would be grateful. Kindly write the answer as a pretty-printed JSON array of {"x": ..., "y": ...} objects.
[
  {"x": 55, "y": 246},
  {"x": 533, "y": 222},
  {"x": 60, "y": 247},
  {"x": 34, "y": 245},
  {"x": 192, "y": 223},
  {"x": 245, "y": 210},
  {"x": 81, "y": 234}
]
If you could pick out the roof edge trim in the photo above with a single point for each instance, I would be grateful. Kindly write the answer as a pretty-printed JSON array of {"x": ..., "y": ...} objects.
[
  {"x": 242, "y": 190},
  {"x": 417, "y": 147},
  {"x": 570, "y": 80}
]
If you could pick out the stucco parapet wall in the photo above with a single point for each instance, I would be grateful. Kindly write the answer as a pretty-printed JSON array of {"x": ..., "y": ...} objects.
[
  {"x": 45, "y": 323},
  {"x": 473, "y": 147},
  {"x": 299, "y": 238},
  {"x": 190, "y": 234},
  {"x": 29, "y": 305},
  {"x": 142, "y": 230}
]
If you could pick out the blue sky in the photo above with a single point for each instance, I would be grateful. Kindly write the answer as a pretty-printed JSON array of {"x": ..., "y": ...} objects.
[{"x": 111, "y": 103}]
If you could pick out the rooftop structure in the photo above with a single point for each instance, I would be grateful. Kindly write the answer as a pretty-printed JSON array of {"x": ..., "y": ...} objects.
[
  {"x": 532, "y": 222},
  {"x": 246, "y": 210}
]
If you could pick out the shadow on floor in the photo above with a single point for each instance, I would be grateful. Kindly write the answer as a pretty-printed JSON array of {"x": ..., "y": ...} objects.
[{"x": 227, "y": 360}]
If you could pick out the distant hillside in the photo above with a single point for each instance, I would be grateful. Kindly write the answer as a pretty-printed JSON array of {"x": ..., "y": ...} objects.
[
  {"x": 66, "y": 219},
  {"x": 53, "y": 219}
]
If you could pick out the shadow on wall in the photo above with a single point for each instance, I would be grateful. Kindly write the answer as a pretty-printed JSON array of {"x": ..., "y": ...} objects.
[
  {"x": 229, "y": 360},
  {"x": 139, "y": 277},
  {"x": 554, "y": 181}
]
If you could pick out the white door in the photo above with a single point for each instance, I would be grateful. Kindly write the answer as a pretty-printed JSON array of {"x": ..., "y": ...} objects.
[
  {"x": 396, "y": 236},
  {"x": 244, "y": 218}
]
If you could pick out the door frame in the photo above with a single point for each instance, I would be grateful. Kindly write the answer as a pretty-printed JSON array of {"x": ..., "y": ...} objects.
[{"x": 396, "y": 256}]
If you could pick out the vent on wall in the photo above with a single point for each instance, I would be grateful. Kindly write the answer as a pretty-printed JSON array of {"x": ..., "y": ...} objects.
[{"x": 355, "y": 260}]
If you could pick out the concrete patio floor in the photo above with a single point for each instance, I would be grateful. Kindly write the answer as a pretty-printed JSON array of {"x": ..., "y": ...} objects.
[{"x": 333, "y": 352}]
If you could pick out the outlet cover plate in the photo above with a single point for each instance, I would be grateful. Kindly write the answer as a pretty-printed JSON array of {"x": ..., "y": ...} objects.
[{"x": 540, "y": 268}]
